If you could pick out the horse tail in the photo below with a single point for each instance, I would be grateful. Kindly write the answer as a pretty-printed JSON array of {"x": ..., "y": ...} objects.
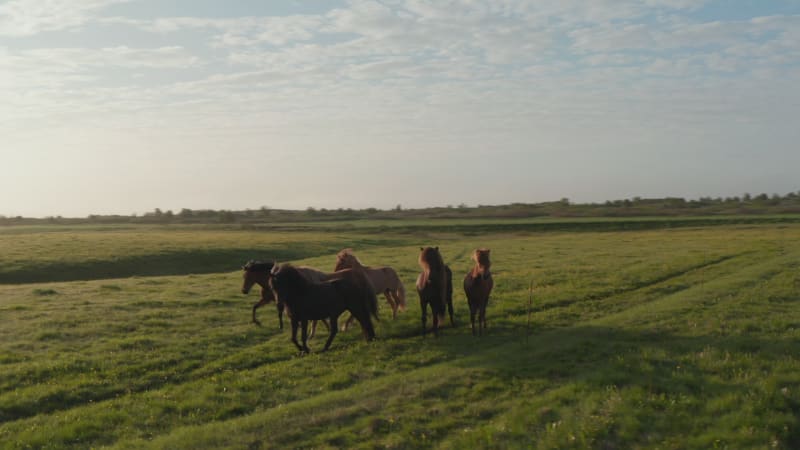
[
  {"x": 398, "y": 288},
  {"x": 369, "y": 307},
  {"x": 401, "y": 295},
  {"x": 372, "y": 304}
]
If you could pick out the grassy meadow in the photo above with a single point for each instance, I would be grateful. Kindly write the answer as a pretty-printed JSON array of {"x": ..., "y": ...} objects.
[{"x": 137, "y": 336}]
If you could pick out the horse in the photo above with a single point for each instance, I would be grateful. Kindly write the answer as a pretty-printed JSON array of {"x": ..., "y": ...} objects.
[
  {"x": 478, "y": 285},
  {"x": 257, "y": 272},
  {"x": 384, "y": 279},
  {"x": 435, "y": 287},
  {"x": 307, "y": 300}
]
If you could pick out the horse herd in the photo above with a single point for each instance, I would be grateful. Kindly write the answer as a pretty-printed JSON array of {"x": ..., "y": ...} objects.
[{"x": 309, "y": 295}]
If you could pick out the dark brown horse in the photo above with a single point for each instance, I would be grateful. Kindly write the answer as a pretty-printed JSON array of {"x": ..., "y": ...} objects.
[
  {"x": 307, "y": 300},
  {"x": 384, "y": 279},
  {"x": 435, "y": 288},
  {"x": 478, "y": 285},
  {"x": 257, "y": 272}
]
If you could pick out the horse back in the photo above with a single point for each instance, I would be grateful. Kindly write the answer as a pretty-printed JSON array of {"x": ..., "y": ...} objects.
[
  {"x": 313, "y": 275},
  {"x": 382, "y": 278},
  {"x": 319, "y": 301}
]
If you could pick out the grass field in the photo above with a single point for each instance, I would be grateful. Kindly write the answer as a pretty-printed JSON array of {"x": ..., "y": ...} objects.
[{"x": 138, "y": 337}]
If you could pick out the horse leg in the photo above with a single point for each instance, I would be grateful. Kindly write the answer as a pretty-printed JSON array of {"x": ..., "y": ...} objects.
[
  {"x": 424, "y": 308},
  {"x": 313, "y": 329},
  {"x": 295, "y": 324},
  {"x": 364, "y": 320},
  {"x": 472, "y": 312},
  {"x": 391, "y": 301},
  {"x": 334, "y": 328},
  {"x": 304, "y": 336},
  {"x": 347, "y": 322},
  {"x": 370, "y": 330},
  {"x": 436, "y": 316},
  {"x": 450, "y": 311},
  {"x": 280, "y": 306},
  {"x": 483, "y": 315},
  {"x": 257, "y": 305}
]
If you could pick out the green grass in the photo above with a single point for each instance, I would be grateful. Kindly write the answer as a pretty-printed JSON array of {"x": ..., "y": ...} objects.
[{"x": 679, "y": 338}]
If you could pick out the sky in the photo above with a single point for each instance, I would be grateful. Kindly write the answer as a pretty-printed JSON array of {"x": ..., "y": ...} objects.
[{"x": 124, "y": 106}]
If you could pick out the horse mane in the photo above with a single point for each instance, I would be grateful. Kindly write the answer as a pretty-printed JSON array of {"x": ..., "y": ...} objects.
[
  {"x": 287, "y": 270},
  {"x": 258, "y": 266},
  {"x": 432, "y": 264},
  {"x": 481, "y": 257},
  {"x": 347, "y": 253},
  {"x": 430, "y": 259},
  {"x": 294, "y": 279}
]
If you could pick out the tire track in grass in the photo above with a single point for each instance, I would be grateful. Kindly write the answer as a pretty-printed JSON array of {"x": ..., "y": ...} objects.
[
  {"x": 100, "y": 391},
  {"x": 189, "y": 387},
  {"x": 744, "y": 277},
  {"x": 318, "y": 413},
  {"x": 604, "y": 295}
]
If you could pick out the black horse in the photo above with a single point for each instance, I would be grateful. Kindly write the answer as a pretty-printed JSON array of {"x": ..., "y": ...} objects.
[
  {"x": 306, "y": 300},
  {"x": 435, "y": 288}
]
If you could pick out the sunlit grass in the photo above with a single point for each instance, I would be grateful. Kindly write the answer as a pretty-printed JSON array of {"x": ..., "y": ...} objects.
[{"x": 649, "y": 339}]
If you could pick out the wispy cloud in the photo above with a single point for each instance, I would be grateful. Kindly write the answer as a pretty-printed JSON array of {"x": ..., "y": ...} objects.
[
  {"x": 29, "y": 17},
  {"x": 545, "y": 81}
]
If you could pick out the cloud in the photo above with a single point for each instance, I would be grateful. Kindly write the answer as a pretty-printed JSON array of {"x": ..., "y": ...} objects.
[
  {"x": 29, "y": 17},
  {"x": 411, "y": 67},
  {"x": 608, "y": 37}
]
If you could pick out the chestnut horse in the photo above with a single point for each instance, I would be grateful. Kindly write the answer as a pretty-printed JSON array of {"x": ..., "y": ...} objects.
[
  {"x": 384, "y": 279},
  {"x": 478, "y": 285},
  {"x": 307, "y": 300},
  {"x": 435, "y": 288}
]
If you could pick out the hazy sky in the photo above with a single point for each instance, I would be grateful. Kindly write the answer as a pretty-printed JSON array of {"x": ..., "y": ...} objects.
[{"x": 115, "y": 106}]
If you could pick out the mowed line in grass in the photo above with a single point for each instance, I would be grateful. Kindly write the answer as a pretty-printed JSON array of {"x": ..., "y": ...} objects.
[
  {"x": 512, "y": 324},
  {"x": 80, "y": 393},
  {"x": 363, "y": 408},
  {"x": 229, "y": 368}
]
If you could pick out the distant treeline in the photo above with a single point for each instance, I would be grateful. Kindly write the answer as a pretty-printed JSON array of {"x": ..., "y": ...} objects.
[{"x": 634, "y": 207}]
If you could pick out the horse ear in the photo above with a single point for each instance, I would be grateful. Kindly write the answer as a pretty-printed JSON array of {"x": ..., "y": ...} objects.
[
  {"x": 437, "y": 248},
  {"x": 275, "y": 269},
  {"x": 422, "y": 249}
]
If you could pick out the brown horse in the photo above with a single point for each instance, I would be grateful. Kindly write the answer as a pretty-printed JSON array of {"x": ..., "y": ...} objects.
[
  {"x": 384, "y": 279},
  {"x": 478, "y": 285},
  {"x": 257, "y": 272},
  {"x": 435, "y": 288},
  {"x": 307, "y": 301}
]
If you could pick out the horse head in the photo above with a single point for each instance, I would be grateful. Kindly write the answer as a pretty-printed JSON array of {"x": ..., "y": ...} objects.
[
  {"x": 344, "y": 259},
  {"x": 430, "y": 258},
  {"x": 481, "y": 258},
  {"x": 255, "y": 272}
]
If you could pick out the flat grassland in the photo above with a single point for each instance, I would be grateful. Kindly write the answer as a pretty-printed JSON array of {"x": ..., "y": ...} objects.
[{"x": 138, "y": 337}]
